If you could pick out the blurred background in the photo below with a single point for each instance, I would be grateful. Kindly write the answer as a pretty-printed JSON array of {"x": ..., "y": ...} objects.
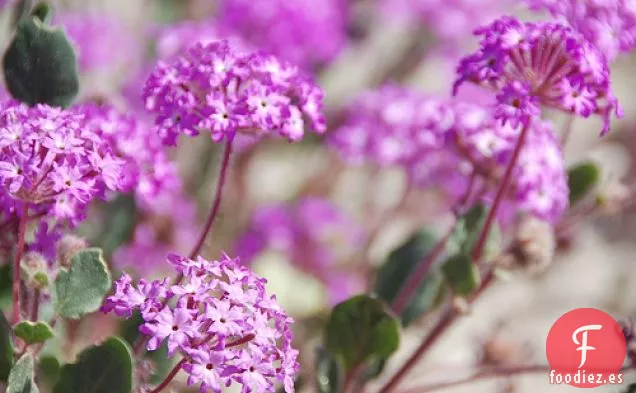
[{"x": 348, "y": 215}]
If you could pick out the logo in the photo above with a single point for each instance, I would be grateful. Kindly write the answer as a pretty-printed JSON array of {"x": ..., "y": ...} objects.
[{"x": 586, "y": 348}]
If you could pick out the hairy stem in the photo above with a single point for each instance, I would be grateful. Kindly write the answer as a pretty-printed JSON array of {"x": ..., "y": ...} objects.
[
  {"x": 446, "y": 320},
  {"x": 216, "y": 203},
  {"x": 501, "y": 192},
  {"x": 173, "y": 373},
  {"x": 16, "y": 313},
  {"x": 35, "y": 306}
]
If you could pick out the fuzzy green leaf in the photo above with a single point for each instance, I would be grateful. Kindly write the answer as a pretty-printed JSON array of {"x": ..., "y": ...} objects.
[
  {"x": 400, "y": 265},
  {"x": 104, "y": 368},
  {"x": 329, "y": 376},
  {"x": 81, "y": 289},
  {"x": 362, "y": 329},
  {"x": 21, "y": 376},
  {"x": 40, "y": 65},
  {"x": 461, "y": 274},
  {"x": 6, "y": 348},
  {"x": 581, "y": 180},
  {"x": 34, "y": 332}
]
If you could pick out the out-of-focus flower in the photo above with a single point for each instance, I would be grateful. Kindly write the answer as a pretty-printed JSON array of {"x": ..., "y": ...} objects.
[
  {"x": 608, "y": 24},
  {"x": 540, "y": 63},
  {"x": 220, "y": 318},
  {"x": 103, "y": 43},
  {"x": 450, "y": 21},
  {"x": 147, "y": 170},
  {"x": 453, "y": 145},
  {"x": 315, "y": 236},
  {"x": 173, "y": 40},
  {"x": 211, "y": 88},
  {"x": 51, "y": 161},
  {"x": 170, "y": 223},
  {"x": 305, "y": 32}
]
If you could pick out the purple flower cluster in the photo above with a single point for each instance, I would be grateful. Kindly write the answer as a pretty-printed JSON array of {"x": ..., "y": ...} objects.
[
  {"x": 52, "y": 161},
  {"x": 455, "y": 146},
  {"x": 212, "y": 88},
  {"x": 608, "y": 24},
  {"x": 533, "y": 64},
  {"x": 148, "y": 172},
  {"x": 305, "y": 32},
  {"x": 220, "y": 318},
  {"x": 315, "y": 236}
]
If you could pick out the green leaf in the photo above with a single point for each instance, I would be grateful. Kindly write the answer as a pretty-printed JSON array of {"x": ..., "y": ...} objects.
[
  {"x": 34, "y": 332},
  {"x": 329, "y": 378},
  {"x": 48, "y": 371},
  {"x": 21, "y": 377},
  {"x": 81, "y": 289},
  {"x": 5, "y": 286},
  {"x": 105, "y": 368},
  {"x": 119, "y": 225},
  {"x": 6, "y": 348},
  {"x": 361, "y": 329},
  {"x": 40, "y": 65},
  {"x": 581, "y": 180},
  {"x": 399, "y": 266},
  {"x": 461, "y": 274}
]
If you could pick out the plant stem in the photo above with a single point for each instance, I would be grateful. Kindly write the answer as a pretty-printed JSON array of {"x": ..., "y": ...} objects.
[
  {"x": 16, "y": 314},
  {"x": 35, "y": 306},
  {"x": 169, "y": 377},
  {"x": 216, "y": 203},
  {"x": 501, "y": 192},
  {"x": 447, "y": 319}
]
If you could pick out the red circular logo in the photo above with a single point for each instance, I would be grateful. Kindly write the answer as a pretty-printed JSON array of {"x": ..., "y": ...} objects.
[{"x": 585, "y": 348}]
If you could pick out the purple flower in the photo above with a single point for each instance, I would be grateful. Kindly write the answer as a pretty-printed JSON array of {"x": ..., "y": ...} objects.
[
  {"x": 540, "y": 63},
  {"x": 451, "y": 21},
  {"x": 303, "y": 32},
  {"x": 222, "y": 320},
  {"x": 55, "y": 162},
  {"x": 315, "y": 235},
  {"x": 212, "y": 88},
  {"x": 452, "y": 144},
  {"x": 609, "y": 24}
]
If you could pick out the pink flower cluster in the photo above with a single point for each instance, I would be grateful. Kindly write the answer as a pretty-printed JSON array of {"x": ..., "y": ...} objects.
[
  {"x": 533, "y": 64},
  {"x": 304, "y": 32},
  {"x": 148, "y": 172},
  {"x": 450, "y": 21},
  {"x": 608, "y": 24},
  {"x": 220, "y": 318},
  {"x": 212, "y": 88},
  {"x": 315, "y": 236},
  {"x": 458, "y": 147},
  {"x": 51, "y": 160}
]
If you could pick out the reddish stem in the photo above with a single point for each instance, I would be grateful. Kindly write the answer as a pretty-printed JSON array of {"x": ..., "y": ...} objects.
[
  {"x": 16, "y": 314},
  {"x": 447, "y": 320},
  {"x": 169, "y": 377},
  {"x": 216, "y": 204},
  {"x": 35, "y": 306},
  {"x": 501, "y": 192}
]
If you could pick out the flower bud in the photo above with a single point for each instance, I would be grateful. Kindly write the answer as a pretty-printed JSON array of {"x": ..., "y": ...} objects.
[
  {"x": 532, "y": 248},
  {"x": 34, "y": 270},
  {"x": 67, "y": 247}
]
